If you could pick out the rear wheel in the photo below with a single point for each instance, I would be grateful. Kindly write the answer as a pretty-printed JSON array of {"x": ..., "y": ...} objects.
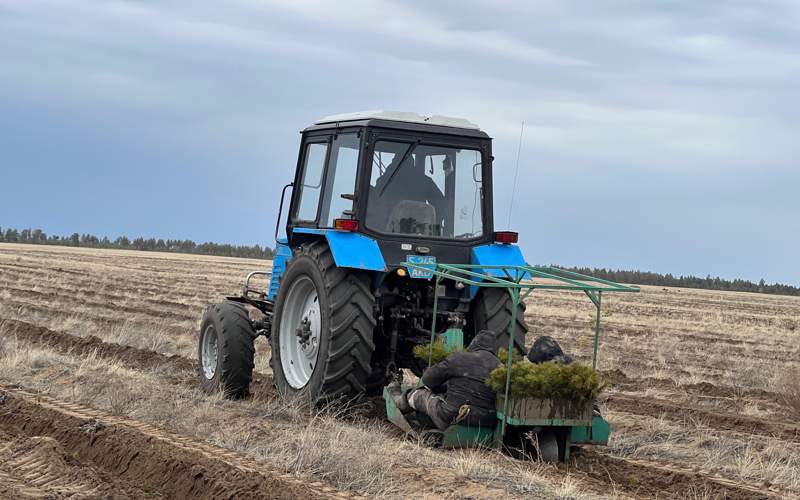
[
  {"x": 225, "y": 349},
  {"x": 544, "y": 444},
  {"x": 491, "y": 310},
  {"x": 548, "y": 447},
  {"x": 322, "y": 331}
]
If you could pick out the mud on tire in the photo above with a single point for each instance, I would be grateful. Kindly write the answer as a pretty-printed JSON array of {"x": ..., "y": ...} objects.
[
  {"x": 491, "y": 310},
  {"x": 227, "y": 330},
  {"x": 347, "y": 322}
]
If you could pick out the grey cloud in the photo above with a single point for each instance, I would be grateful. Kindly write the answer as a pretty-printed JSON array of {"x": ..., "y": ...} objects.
[{"x": 648, "y": 102}]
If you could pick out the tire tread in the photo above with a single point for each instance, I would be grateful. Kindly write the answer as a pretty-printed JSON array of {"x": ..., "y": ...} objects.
[
  {"x": 236, "y": 346},
  {"x": 351, "y": 322},
  {"x": 493, "y": 309}
]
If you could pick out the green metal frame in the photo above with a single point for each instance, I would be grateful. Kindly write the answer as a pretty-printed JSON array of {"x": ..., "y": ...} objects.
[{"x": 520, "y": 281}]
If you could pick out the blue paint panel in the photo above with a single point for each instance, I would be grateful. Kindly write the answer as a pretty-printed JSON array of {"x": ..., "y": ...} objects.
[
  {"x": 496, "y": 255},
  {"x": 355, "y": 250},
  {"x": 308, "y": 230},
  {"x": 283, "y": 254},
  {"x": 351, "y": 250}
]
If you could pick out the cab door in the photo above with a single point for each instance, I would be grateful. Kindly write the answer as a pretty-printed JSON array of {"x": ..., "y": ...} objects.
[
  {"x": 309, "y": 181},
  {"x": 326, "y": 180}
]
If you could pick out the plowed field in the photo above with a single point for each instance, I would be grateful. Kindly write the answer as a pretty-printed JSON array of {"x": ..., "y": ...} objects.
[{"x": 98, "y": 397}]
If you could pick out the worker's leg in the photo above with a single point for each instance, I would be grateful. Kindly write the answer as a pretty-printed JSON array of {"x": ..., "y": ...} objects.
[
  {"x": 424, "y": 401},
  {"x": 398, "y": 396}
]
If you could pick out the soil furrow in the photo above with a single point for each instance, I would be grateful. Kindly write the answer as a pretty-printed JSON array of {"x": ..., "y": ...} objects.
[
  {"x": 175, "y": 466},
  {"x": 176, "y": 369},
  {"x": 142, "y": 282},
  {"x": 179, "y": 368},
  {"x": 717, "y": 420},
  {"x": 657, "y": 480},
  {"x": 98, "y": 319},
  {"x": 39, "y": 467},
  {"x": 103, "y": 296},
  {"x": 107, "y": 304},
  {"x": 694, "y": 336},
  {"x": 618, "y": 379}
]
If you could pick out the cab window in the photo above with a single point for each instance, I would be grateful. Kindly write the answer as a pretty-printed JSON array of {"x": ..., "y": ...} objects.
[
  {"x": 340, "y": 180},
  {"x": 425, "y": 190},
  {"x": 311, "y": 182}
]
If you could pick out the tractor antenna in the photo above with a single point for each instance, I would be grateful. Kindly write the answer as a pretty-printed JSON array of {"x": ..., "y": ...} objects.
[{"x": 516, "y": 174}]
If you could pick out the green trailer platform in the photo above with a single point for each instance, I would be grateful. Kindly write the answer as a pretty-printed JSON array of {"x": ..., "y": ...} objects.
[{"x": 557, "y": 425}]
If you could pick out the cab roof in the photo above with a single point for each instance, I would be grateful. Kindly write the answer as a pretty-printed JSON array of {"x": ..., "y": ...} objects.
[{"x": 403, "y": 121}]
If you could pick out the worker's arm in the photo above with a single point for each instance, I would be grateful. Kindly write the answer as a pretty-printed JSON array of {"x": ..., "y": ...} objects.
[{"x": 435, "y": 376}]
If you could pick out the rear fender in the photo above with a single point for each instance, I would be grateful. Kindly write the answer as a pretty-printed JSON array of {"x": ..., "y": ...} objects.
[
  {"x": 496, "y": 254},
  {"x": 350, "y": 250}
]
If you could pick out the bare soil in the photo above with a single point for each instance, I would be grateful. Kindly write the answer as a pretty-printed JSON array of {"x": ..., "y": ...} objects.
[
  {"x": 39, "y": 467},
  {"x": 136, "y": 453},
  {"x": 652, "y": 480}
]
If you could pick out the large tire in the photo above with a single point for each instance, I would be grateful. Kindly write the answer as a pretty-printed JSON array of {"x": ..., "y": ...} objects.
[
  {"x": 225, "y": 349},
  {"x": 491, "y": 310},
  {"x": 339, "y": 336}
]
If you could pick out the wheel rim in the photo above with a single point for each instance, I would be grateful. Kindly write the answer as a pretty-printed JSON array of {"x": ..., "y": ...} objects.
[
  {"x": 299, "y": 332},
  {"x": 208, "y": 352}
]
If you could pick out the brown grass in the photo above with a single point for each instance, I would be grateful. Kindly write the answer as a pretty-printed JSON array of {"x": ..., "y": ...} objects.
[
  {"x": 351, "y": 454},
  {"x": 787, "y": 386},
  {"x": 736, "y": 353}
]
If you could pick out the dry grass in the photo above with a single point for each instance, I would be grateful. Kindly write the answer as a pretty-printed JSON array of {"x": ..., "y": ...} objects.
[
  {"x": 667, "y": 339},
  {"x": 787, "y": 386},
  {"x": 350, "y": 453},
  {"x": 752, "y": 459}
]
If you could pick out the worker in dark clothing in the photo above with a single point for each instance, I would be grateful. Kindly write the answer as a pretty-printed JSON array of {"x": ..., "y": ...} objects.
[
  {"x": 454, "y": 390},
  {"x": 546, "y": 349}
]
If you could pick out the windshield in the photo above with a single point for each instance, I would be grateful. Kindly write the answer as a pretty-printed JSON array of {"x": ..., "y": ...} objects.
[{"x": 425, "y": 190}]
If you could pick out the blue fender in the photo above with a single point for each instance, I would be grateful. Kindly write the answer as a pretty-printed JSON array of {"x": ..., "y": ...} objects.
[
  {"x": 355, "y": 251},
  {"x": 496, "y": 254},
  {"x": 351, "y": 250}
]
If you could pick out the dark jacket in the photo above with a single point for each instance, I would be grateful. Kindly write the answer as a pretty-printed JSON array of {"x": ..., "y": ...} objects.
[
  {"x": 462, "y": 376},
  {"x": 545, "y": 349}
]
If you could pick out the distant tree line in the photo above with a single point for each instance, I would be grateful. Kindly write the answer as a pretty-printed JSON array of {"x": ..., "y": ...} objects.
[
  {"x": 39, "y": 237},
  {"x": 707, "y": 283}
]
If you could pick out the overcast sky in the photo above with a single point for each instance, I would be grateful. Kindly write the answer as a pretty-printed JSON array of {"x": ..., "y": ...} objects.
[{"x": 659, "y": 135}]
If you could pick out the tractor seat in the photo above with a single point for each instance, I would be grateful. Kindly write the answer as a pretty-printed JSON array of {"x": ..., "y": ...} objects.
[{"x": 411, "y": 217}]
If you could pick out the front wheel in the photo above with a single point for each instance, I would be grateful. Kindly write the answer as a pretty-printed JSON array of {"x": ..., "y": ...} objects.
[{"x": 225, "y": 349}]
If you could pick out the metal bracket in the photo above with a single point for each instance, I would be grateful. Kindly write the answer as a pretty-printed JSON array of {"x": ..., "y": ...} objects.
[
  {"x": 519, "y": 281},
  {"x": 248, "y": 291}
]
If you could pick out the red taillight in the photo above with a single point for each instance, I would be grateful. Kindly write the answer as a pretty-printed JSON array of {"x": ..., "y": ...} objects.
[
  {"x": 345, "y": 224},
  {"x": 505, "y": 237}
]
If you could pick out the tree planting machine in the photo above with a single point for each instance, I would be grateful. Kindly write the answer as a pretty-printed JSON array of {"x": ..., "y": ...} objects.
[{"x": 390, "y": 244}]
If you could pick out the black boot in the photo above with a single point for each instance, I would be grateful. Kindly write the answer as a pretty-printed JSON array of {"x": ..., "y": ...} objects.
[{"x": 398, "y": 397}]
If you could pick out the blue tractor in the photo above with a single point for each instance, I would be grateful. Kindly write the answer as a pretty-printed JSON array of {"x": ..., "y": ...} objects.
[{"x": 372, "y": 193}]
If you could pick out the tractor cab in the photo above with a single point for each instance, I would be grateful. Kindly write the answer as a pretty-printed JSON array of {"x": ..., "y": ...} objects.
[{"x": 415, "y": 185}]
